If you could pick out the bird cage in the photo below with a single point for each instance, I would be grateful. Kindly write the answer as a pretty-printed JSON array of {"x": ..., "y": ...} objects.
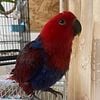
[
  {"x": 10, "y": 90},
  {"x": 14, "y": 34},
  {"x": 14, "y": 31}
]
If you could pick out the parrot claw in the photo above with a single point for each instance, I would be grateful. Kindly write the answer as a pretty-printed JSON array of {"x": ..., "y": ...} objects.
[
  {"x": 32, "y": 96},
  {"x": 54, "y": 92},
  {"x": 38, "y": 92}
]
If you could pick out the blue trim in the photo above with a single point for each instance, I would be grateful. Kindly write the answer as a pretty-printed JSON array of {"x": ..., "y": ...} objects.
[{"x": 18, "y": 28}]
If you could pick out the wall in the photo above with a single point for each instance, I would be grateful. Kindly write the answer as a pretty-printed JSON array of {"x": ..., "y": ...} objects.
[
  {"x": 80, "y": 67},
  {"x": 96, "y": 52},
  {"x": 40, "y": 11}
]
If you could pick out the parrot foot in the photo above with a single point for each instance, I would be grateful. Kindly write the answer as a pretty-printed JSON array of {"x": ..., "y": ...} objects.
[
  {"x": 32, "y": 96},
  {"x": 54, "y": 92}
]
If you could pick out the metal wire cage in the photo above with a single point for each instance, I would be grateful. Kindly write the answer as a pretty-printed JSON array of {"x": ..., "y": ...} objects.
[
  {"x": 10, "y": 90},
  {"x": 14, "y": 34}
]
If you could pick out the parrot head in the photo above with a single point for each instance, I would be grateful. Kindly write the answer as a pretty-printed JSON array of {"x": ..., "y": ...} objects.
[
  {"x": 61, "y": 27},
  {"x": 57, "y": 37}
]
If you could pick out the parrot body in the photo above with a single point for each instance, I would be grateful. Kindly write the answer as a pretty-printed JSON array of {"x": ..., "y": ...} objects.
[{"x": 45, "y": 60}]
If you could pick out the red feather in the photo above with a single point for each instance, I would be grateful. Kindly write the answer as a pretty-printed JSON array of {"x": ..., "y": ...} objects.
[{"x": 27, "y": 63}]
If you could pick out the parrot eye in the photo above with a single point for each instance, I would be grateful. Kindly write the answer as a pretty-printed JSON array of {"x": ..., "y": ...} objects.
[{"x": 62, "y": 22}]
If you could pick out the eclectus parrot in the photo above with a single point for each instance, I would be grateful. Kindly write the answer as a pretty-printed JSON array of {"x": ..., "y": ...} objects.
[{"x": 44, "y": 61}]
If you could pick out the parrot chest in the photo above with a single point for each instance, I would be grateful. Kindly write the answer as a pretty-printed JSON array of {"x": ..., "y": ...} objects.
[{"x": 45, "y": 78}]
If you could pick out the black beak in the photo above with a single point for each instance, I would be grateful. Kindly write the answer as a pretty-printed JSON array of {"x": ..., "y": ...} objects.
[{"x": 77, "y": 27}]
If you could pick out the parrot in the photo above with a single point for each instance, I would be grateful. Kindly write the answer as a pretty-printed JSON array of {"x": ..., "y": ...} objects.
[{"x": 45, "y": 60}]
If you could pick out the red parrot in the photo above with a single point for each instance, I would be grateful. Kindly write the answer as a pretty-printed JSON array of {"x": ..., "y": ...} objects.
[{"x": 44, "y": 61}]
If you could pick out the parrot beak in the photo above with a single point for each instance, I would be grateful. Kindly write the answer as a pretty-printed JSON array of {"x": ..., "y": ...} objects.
[{"x": 77, "y": 27}]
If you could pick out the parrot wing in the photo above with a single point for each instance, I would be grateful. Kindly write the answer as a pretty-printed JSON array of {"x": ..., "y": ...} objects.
[{"x": 29, "y": 61}]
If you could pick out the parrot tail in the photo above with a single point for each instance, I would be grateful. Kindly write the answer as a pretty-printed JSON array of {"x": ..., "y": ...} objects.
[{"x": 26, "y": 86}]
